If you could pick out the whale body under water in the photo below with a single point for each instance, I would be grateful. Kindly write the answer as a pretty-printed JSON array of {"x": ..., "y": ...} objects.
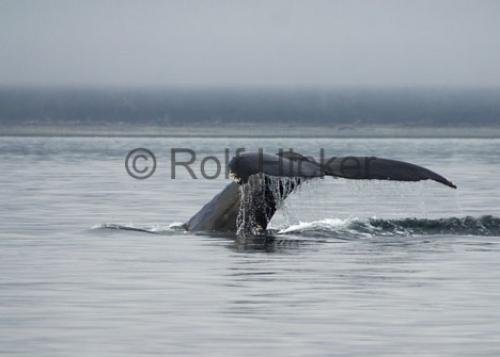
[{"x": 262, "y": 181}]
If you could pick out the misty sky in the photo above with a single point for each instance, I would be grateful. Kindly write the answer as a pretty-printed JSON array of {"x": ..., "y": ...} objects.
[{"x": 325, "y": 43}]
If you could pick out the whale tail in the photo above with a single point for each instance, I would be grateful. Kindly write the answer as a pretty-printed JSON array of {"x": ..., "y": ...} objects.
[
  {"x": 291, "y": 164},
  {"x": 263, "y": 181}
]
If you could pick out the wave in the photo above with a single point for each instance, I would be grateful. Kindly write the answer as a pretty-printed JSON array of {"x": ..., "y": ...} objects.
[{"x": 352, "y": 228}]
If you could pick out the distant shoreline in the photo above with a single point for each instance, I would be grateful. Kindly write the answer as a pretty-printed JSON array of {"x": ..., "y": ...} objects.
[{"x": 255, "y": 131}]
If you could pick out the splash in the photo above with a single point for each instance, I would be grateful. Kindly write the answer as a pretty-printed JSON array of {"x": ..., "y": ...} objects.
[{"x": 260, "y": 198}]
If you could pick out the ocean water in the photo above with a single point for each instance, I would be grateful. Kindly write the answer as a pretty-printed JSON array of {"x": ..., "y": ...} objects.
[{"x": 91, "y": 261}]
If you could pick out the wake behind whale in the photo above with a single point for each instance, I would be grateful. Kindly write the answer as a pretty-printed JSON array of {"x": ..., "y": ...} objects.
[{"x": 355, "y": 228}]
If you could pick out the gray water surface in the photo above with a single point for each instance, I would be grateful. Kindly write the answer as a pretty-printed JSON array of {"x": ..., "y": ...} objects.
[{"x": 353, "y": 268}]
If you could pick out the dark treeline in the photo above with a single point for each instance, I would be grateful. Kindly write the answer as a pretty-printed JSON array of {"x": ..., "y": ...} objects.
[{"x": 403, "y": 106}]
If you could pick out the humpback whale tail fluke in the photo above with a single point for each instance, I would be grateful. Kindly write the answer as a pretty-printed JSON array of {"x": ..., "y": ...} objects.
[
  {"x": 262, "y": 182},
  {"x": 290, "y": 164}
]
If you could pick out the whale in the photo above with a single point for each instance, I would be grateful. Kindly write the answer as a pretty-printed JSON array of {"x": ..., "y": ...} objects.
[{"x": 261, "y": 182}]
